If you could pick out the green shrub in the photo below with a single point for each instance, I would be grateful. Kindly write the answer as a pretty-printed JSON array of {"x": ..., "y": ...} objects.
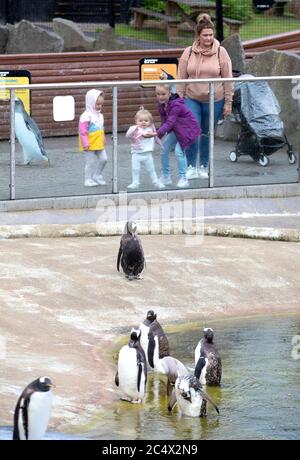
[
  {"x": 155, "y": 5},
  {"x": 237, "y": 9}
]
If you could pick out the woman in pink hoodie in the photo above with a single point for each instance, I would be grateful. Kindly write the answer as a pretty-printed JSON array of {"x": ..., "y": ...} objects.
[{"x": 204, "y": 59}]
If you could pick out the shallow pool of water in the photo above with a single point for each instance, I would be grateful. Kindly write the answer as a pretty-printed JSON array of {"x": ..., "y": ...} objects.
[{"x": 259, "y": 397}]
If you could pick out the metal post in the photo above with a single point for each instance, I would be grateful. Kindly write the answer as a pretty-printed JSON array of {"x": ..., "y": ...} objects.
[
  {"x": 211, "y": 133},
  {"x": 219, "y": 20},
  {"x": 111, "y": 14},
  {"x": 12, "y": 146},
  {"x": 115, "y": 138},
  {"x": 298, "y": 128}
]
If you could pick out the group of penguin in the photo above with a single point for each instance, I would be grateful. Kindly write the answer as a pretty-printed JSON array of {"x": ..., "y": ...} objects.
[{"x": 148, "y": 347}]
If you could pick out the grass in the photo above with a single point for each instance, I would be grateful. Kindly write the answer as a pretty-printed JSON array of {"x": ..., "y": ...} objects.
[{"x": 258, "y": 26}]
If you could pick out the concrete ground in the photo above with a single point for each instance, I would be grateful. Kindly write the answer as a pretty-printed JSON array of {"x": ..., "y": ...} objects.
[
  {"x": 65, "y": 175},
  {"x": 64, "y": 305}
]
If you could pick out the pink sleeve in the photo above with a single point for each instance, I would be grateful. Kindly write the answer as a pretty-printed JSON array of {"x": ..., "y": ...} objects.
[
  {"x": 83, "y": 133},
  {"x": 156, "y": 139},
  {"x": 132, "y": 132}
]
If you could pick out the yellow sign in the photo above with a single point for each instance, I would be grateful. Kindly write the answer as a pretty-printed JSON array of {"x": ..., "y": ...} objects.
[
  {"x": 16, "y": 77},
  {"x": 158, "y": 69}
]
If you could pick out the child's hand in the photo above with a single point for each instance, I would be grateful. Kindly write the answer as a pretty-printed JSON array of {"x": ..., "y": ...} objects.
[{"x": 150, "y": 134}]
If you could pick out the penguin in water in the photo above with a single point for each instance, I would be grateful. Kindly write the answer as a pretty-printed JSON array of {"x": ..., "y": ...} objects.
[
  {"x": 158, "y": 345},
  {"x": 145, "y": 327},
  {"x": 131, "y": 254},
  {"x": 33, "y": 409},
  {"x": 28, "y": 135},
  {"x": 207, "y": 360},
  {"x": 190, "y": 397},
  {"x": 131, "y": 375},
  {"x": 172, "y": 368}
]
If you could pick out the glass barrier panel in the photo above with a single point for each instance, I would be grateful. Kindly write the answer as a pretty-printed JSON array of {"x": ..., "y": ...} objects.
[
  {"x": 59, "y": 168},
  {"x": 258, "y": 143}
]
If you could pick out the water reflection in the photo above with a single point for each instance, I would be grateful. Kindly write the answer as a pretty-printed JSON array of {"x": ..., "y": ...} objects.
[
  {"x": 257, "y": 366},
  {"x": 259, "y": 397}
]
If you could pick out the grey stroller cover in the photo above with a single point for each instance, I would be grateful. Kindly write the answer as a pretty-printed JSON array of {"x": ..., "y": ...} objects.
[{"x": 260, "y": 108}]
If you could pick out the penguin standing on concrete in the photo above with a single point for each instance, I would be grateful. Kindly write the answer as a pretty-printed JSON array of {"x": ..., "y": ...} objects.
[
  {"x": 207, "y": 360},
  {"x": 131, "y": 254},
  {"x": 131, "y": 375},
  {"x": 28, "y": 135},
  {"x": 158, "y": 345},
  {"x": 33, "y": 409},
  {"x": 190, "y": 397}
]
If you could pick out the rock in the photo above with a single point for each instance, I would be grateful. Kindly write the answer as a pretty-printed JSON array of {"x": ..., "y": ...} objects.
[
  {"x": 106, "y": 40},
  {"x": 74, "y": 38},
  {"x": 234, "y": 47},
  {"x": 26, "y": 37},
  {"x": 3, "y": 38}
]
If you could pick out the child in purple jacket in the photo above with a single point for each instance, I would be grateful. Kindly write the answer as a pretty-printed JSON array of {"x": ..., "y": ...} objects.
[{"x": 181, "y": 129}]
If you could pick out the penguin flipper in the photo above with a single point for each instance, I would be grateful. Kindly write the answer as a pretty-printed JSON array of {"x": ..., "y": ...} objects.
[
  {"x": 33, "y": 127},
  {"x": 172, "y": 401},
  {"x": 117, "y": 379},
  {"x": 119, "y": 257}
]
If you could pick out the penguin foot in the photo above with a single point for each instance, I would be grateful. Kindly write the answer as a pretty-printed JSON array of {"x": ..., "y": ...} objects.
[
  {"x": 139, "y": 277},
  {"x": 130, "y": 277}
]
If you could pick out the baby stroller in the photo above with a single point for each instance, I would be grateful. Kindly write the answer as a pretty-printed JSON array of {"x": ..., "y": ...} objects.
[{"x": 257, "y": 110}]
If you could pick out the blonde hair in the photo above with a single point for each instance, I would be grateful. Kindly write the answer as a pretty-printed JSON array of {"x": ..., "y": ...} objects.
[
  {"x": 204, "y": 22},
  {"x": 167, "y": 86},
  {"x": 142, "y": 112}
]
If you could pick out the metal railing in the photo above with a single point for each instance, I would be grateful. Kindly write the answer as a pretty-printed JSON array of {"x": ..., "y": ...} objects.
[{"x": 115, "y": 85}]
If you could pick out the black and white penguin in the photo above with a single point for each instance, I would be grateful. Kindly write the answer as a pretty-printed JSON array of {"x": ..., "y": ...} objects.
[
  {"x": 131, "y": 254},
  {"x": 33, "y": 410},
  {"x": 145, "y": 327},
  {"x": 158, "y": 345},
  {"x": 131, "y": 375},
  {"x": 190, "y": 397},
  {"x": 207, "y": 360}
]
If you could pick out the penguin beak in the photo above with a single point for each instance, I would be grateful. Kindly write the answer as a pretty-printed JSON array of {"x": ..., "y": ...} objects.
[{"x": 51, "y": 385}]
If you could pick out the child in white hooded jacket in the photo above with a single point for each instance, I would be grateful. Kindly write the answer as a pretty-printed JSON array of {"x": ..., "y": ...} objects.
[
  {"x": 91, "y": 138},
  {"x": 142, "y": 148}
]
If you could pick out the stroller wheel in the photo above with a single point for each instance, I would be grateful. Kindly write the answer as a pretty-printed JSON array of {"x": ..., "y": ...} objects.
[
  {"x": 233, "y": 156},
  {"x": 292, "y": 158},
  {"x": 263, "y": 160}
]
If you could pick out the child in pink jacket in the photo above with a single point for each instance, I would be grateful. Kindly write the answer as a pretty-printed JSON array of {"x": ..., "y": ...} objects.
[
  {"x": 91, "y": 138},
  {"x": 142, "y": 148}
]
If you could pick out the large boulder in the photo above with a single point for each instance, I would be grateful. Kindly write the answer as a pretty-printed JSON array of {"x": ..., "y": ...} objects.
[
  {"x": 26, "y": 37},
  {"x": 234, "y": 47},
  {"x": 74, "y": 38},
  {"x": 106, "y": 40},
  {"x": 3, "y": 38},
  {"x": 281, "y": 63}
]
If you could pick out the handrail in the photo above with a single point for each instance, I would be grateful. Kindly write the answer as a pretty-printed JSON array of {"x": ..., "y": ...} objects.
[{"x": 143, "y": 82}]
